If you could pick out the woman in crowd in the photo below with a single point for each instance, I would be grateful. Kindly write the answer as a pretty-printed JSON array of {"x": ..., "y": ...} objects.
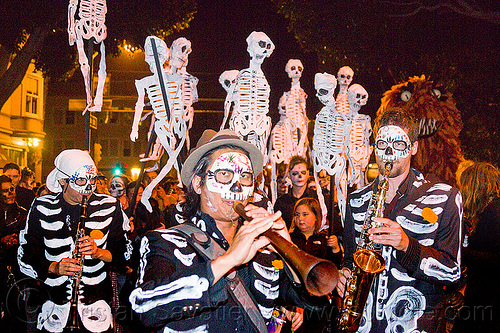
[
  {"x": 117, "y": 189},
  {"x": 480, "y": 187},
  {"x": 305, "y": 233}
]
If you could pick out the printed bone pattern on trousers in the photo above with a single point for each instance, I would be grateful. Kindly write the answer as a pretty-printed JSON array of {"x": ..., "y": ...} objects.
[{"x": 89, "y": 25}]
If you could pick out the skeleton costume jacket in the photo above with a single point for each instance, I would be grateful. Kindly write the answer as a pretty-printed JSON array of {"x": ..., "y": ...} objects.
[
  {"x": 175, "y": 291},
  {"x": 407, "y": 296},
  {"x": 49, "y": 236}
]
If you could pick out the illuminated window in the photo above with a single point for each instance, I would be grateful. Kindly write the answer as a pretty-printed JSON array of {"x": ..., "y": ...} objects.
[{"x": 32, "y": 95}]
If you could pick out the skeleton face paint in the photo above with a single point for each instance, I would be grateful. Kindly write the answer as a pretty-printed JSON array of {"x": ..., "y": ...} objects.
[
  {"x": 84, "y": 179},
  {"x": 231, "y": 175},
  {"x": 392, "y": 143},
  {"x": 116, "y": 187}
]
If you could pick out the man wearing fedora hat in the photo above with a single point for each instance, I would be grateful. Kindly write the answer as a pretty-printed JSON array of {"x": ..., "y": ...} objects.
[
  {"x": 191, "y": 276},
  {"x": 50, "y": 236}
]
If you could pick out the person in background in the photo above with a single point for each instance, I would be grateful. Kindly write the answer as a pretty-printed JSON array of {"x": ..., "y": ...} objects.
[
  {"x": 24, "y": 195},
  {"x": 117, "y": 189},
  {"x": 12, "y": 220},
  {"x": 101, "y": 184},
  {"x": 42, "y": 190},
  {"x": 479, "y": 183},
  {"x": 298, "y": 173},
  {"x": 50, "y": 236},
  {"x": 24, "y": 190},
  {"x": 305, "y": 233}
]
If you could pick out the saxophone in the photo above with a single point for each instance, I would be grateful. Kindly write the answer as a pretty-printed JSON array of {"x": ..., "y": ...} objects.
[
  {"x": 368, "y": 262},
  {"x": 73, "y": 323}
]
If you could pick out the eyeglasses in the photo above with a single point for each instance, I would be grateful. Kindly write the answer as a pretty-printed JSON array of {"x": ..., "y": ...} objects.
[
  {"x": 225, "y": 177},
  {"x": 11, "y": 189},
  {"x": 83, "y": 181},
  {"x": 399, "y": 145}
]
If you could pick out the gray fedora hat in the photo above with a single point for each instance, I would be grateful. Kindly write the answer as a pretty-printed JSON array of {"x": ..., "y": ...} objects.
[{"x": 211, "y": 139}]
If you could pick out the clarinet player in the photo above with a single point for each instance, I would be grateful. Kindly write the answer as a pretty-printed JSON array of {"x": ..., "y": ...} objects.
[
  {"x": 420, "y": 236},
  {"x": 47, "y": 243}
]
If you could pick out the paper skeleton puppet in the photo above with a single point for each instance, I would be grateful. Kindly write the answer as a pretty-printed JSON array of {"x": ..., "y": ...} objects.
[
  {"x": 180, "y": 50},
  {"x": 359, "y": 135},
  {"x": 249, "y": 118},
  {"x": 331, "y": 137},
  {"x": 170, "y": 126},
  {"x": 344, "y": 77},
  {"x": 86, "y": 23}
]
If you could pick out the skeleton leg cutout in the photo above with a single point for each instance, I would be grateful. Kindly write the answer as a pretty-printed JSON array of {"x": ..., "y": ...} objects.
[{"x": 101, "y": 81}]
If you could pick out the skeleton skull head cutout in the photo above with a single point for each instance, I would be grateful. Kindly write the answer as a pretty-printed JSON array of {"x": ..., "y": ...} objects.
[
  {"x": 84, "y": 179},
  {"x": 294, "y": 68},
  {"x": 357, "y": 96},
  {"x": 228, "y": 79},
  {"x": 259, "y": 47},
  {"x": 162, "y": 50},
  {"x": 325, "y": 85},
  {"x": 231, "y": 176},
  {"x": 180, "y": 50},
  {"x": 392, "y": 143},
  {"x": 345, "y": 75},
  {"x": 117, "y": 187}
]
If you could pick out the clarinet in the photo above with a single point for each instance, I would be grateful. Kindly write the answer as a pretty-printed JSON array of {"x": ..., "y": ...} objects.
[{"x": 73, "y": 324}]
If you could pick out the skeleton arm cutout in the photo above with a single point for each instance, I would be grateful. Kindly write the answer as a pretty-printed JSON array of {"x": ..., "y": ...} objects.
[
  {"x": 90, "y": 27},
  {"x": 228, "y": 81}
]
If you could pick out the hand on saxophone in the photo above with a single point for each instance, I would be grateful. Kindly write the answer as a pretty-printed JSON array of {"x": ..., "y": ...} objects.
[
  {"x": 391, "y": 234},
  {"x": 344, "y": 275}
]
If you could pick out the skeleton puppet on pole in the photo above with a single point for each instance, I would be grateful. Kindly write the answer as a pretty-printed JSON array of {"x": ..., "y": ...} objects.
[
  {"x": 331, "y": 135},
  {"x": 178, "y": 60},
  {"x": 359, "y": 135},
  {"x": 251, "y": 95},
  {"x": 89, "y": 26},
  {"x": 180, "y": 50},
  {"x": 170, "y": 126},
  {"x": 289, "y": 136},
  {"x": 344, "y": 76}
]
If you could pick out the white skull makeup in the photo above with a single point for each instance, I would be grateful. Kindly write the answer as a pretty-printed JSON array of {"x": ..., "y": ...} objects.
[
  {"x": 231, "y": 175},
  {"x": 116, "y": 187},
  {"x": 392, "y": 143},
  {"x": 84, "y": 179}
]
